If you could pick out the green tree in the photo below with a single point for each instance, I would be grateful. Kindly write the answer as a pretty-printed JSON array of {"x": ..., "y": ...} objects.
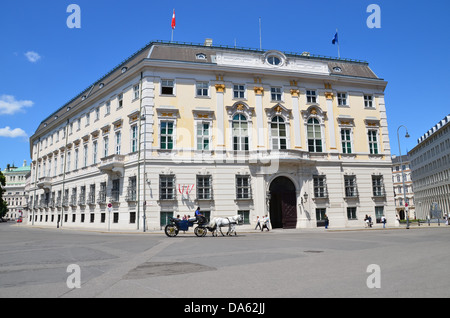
[{"x": 3, "y": 205}]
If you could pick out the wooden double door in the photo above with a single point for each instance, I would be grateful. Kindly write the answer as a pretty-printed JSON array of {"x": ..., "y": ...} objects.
[{"x": 283, "y": 204}]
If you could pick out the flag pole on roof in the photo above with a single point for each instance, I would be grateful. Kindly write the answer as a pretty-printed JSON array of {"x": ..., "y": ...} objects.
[
  {"x": 336, "y": 41},
  {"x": 173, "y": 24}
]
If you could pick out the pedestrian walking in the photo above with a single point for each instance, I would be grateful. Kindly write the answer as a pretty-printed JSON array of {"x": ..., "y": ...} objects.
[
  {"x": 383, "y": 220},
  {"x": 265, "y": 221},
  {"x": 327, "y": 221},
  {"x": 257, "y": 223}
]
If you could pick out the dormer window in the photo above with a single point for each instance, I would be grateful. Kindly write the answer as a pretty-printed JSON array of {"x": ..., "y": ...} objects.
[
  {"x": 200, "y": 56},
  {"x": 274, "y": 60}
]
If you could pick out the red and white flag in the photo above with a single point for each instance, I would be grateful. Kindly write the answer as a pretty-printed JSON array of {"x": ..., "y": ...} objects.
[{"x": 173, "y": 20}]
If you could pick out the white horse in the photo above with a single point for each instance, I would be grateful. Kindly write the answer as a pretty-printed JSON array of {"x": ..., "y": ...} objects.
[{"x": 217, "y": 223}]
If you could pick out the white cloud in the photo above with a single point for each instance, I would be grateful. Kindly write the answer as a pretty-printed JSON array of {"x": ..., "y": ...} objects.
[
  {"x": 33, "y": 57},
  {"x": 15, "y": 133},
  {"x": 9, "y": 105}
]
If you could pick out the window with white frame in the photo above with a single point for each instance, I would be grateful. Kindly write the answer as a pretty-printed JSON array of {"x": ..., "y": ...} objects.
[
  {"x": 166, "y": 135},
  {"x": 94, "y": 152},
  {"x": 240, "y": 132},
  {"x": 105, "y": 146},
  {"x": 320, "y": 187},
  {"x": 368, "y": 101},
  {"x": 311, "y": 96},
  {"x": 134, "y": 138},
  {"x": 275, "y": 93},
  {"x": 97, "y": 114},
  {"x": 108, "y": 108},
  {"x": 77, "y": 157},
  {"x": 378, "y": 186},
  {"x": 120, "y": 100},
  {"x": 351, "y": 189},
  {"x": 314, "y": 135},
  {"x": 167, "y": 187},
  {"x": 346, "y": 140},
  {"x": 167, "y": 87},
  {"x": 204, "y": 188},
  {"x": 202, "y": 89},
  {"x": 85, "y": 156},
  {"x": 239, "y": 91},
  {"x": 278, "y": 133},
  {"x": 243, "y": 187},
  {"x": 342, "y": 99},
  {"x": 136, "y": 91},
  {"x": 373, "y": 141},
  {"x": 203, "y": 136},
  {"x": 118, "y": 138}
]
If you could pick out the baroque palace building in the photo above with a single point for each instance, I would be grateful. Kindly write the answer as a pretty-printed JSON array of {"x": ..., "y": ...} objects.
[{"x": 179, "y": 126}]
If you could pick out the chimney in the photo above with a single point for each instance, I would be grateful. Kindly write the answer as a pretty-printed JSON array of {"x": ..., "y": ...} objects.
[
  {"x": 24, "y": 163},
  {"x": 208, "y": 42}
]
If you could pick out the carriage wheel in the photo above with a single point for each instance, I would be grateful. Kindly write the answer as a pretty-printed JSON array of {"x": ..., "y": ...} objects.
[
  {"x": 171, "y": 230},
  {"x": 200, "y": 231}
]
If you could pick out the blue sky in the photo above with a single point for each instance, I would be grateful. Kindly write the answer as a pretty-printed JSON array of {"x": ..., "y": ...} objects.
[{"x": 44, "y": 64}]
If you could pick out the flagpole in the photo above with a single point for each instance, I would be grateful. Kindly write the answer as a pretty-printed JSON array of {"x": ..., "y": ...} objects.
[{"x": 339, "y": 51}]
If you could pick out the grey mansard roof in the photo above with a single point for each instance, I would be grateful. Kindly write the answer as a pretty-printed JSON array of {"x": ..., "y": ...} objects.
[{"x": 187, "y": 53}]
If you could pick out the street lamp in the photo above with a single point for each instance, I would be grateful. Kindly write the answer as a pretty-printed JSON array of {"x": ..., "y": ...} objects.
[{"x": 403, "y": 176}]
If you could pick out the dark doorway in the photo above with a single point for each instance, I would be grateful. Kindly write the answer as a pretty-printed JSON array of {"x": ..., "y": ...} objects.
[{"x": 283, "y": 204}]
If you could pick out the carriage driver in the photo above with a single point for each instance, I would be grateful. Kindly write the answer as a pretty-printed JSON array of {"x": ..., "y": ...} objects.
[{"x": 199, "y": 216}]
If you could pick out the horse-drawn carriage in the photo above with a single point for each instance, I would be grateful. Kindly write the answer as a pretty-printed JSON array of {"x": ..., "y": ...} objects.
[{"x": 203, "y": 226}]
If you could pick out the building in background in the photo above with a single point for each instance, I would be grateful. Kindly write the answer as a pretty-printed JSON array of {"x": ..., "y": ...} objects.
[
  {"x": 404, "y": 204},
  {"x": 430, "y": 162},
  {"x": 233, "y": 131},
  {"x": 15, "y": 191}
]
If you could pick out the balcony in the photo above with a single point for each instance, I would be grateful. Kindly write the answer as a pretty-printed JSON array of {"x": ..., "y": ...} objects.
[
  {"x": 45, "y": 183},
  {"x": 113, "y": 164}
]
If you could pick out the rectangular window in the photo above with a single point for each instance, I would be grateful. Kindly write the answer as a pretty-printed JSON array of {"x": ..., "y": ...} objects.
[
  {"x": 342, "y": 99},
  {"x": 243, "y": 187},
  {"x": 115, "y": 191},
  {"x": 120, "y": 100},
  {"x": 167, "y": 87},
  {"x": 351, "y": 189},
  {"x": 320, "y": 216},
  {"x": 245, "y": 215},
  {"x": 118, "y": 142},
  {"x": 131, "y": 190},
  {"x": 275, "y": 93},
  {"x": 105, "y": 146},
  {"x": 204, "y": 188},
  {"x": 368, "y": 101},
  {"x": 239, "y": 91},
  {"x": 166, "y": 187},
  {"x": 94, "y": 152},
  {"x": 134, "y": 138},
  {"x": 166, "y": 135},
  {"x": 311, "y": 97},
  {"x": 132, "y": 217},
  {"x": 346, "y": 141},
  {"x": 378, "y": 186},
  {"x": 202, "y": 89},
  {"x": 116, "y": 217},
  {"x": 136, "y": 91},
  {"x": 203, "y": 136},
  {"x": 373, "y": 141},
  {"x": 97, "y": 113},
  {"x": 85, "y": 158},
  {"x": 108, "y": 108},
  {"x": 351, "y": 213},
  {"x": 164, "y": 218},
  {"x": 379, "y": 212},
  {"x": 320, "y": 187}
]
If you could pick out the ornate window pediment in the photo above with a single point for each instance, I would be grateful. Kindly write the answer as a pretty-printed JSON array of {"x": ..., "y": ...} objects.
[
  {"x": 240, "y": 108},
  {"x": 278, "y": 110}
]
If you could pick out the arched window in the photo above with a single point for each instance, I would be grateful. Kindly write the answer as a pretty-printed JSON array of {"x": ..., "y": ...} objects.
[
  {"x": 314, "y": 135},
  {"x": 240, "y": 132},
  {"x": 278, "y": 133}
]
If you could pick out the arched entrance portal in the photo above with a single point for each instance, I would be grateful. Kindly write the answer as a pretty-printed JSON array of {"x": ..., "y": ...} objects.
[{"x": 283, "y": 204}]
